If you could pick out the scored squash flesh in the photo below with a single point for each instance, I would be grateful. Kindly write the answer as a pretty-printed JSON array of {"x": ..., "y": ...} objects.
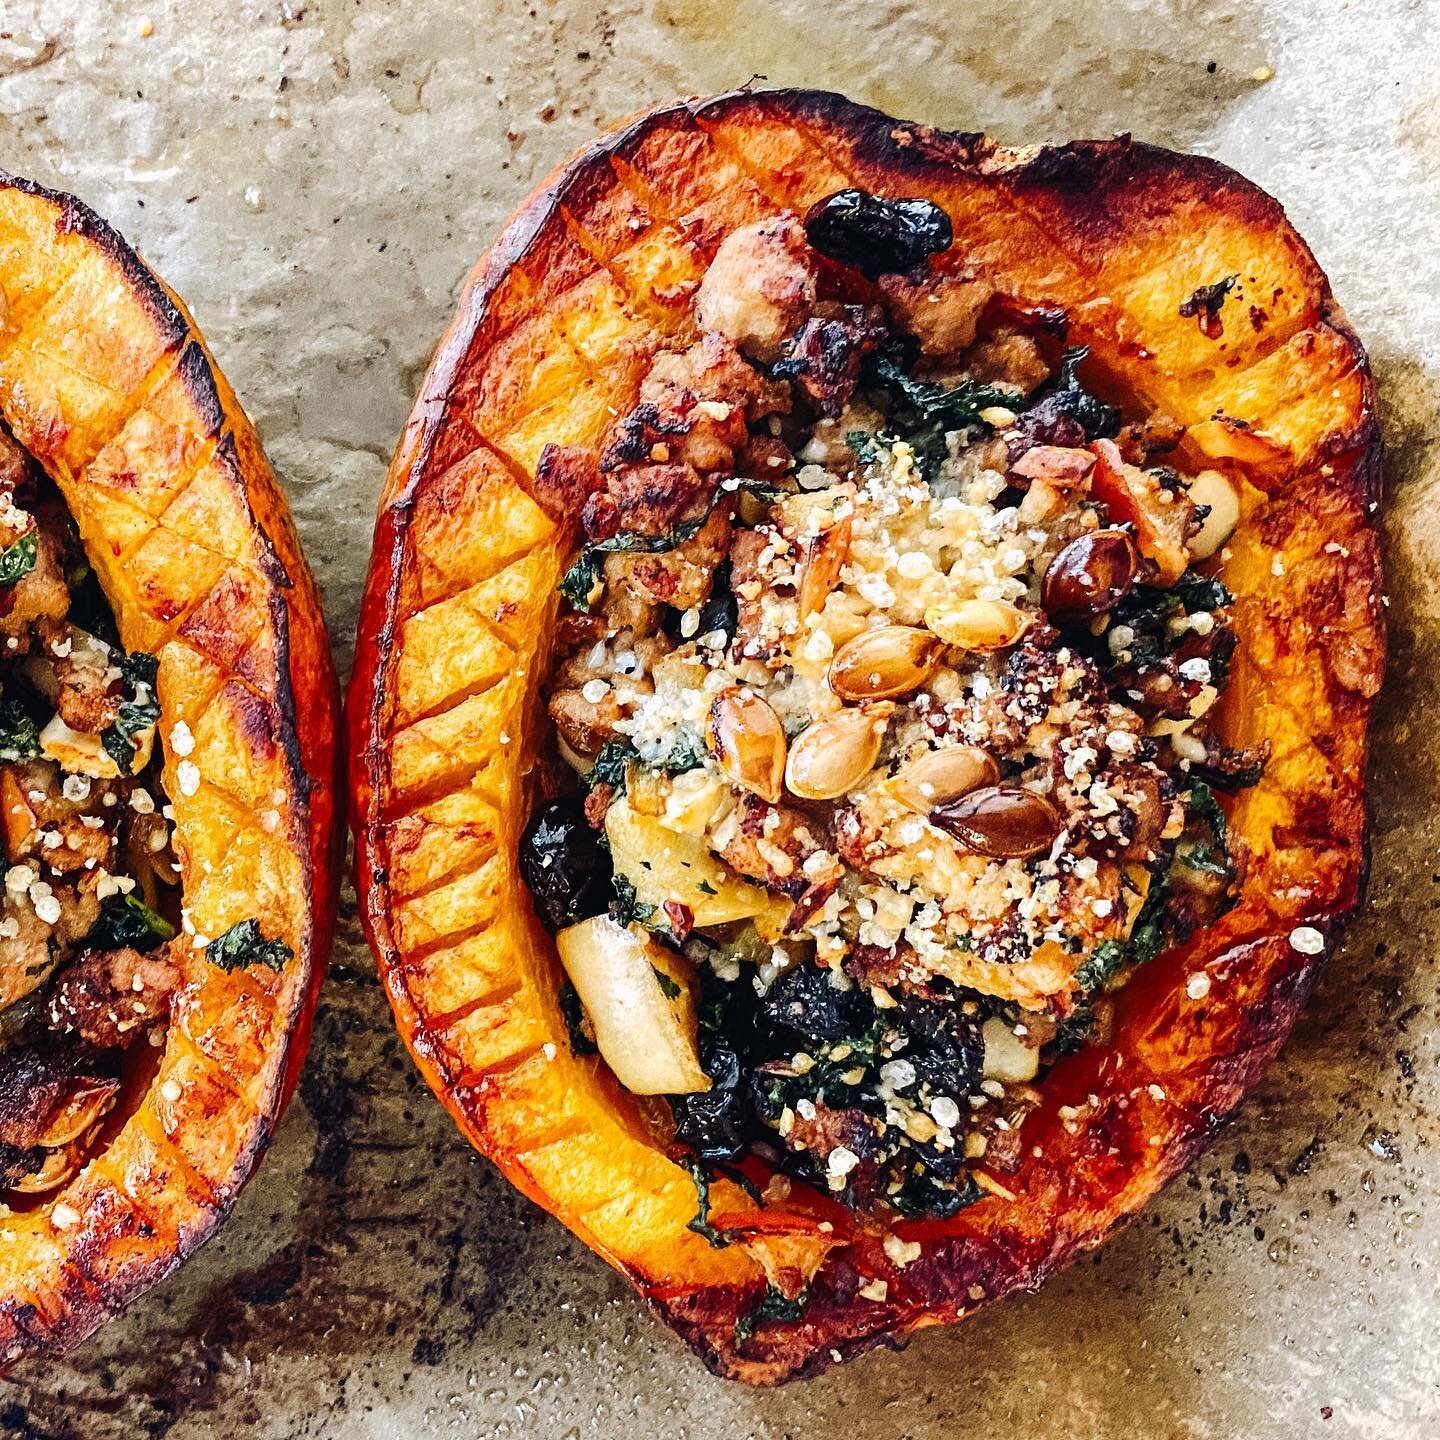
[
  {"x": 597, "y": 273},
  {"x": 107, "y": 387}
]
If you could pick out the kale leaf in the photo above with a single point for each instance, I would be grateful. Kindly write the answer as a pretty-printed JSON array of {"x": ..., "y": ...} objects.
[
  {"x": 577, "y": 1022},
  {"x": 126, "y": 923},
  {"x": 17, "y": 560},
  {"x": 19, "y": 735},
  {"x": 700, "y": 1221},
  {"x": 609, "y": 766},
  {"x": 773, "y": 1305},
  {"x": 243, "y": 944},
  {"x": 625, "y": 907},
  {"x": 137, "y": 713}
]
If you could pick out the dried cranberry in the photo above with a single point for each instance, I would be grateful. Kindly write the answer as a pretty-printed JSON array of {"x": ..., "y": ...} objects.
[
  {"x": 563, "y": 864},
  {"x": 1005, "y": 822},
  {"x": 1090, "y": 576},
  {"x": 877, "y": 236}
]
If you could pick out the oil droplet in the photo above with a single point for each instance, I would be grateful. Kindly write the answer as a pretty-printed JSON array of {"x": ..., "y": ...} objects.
[
  {"x": 1411, "y": 1219},
  {"x": 1279, "y": 1250}
]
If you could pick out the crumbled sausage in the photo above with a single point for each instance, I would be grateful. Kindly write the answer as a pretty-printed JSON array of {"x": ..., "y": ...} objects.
[
  {"x": 941, "y": 311},
  {"x": 104, "y": 997},
  {"x": 760, "y": 287}
]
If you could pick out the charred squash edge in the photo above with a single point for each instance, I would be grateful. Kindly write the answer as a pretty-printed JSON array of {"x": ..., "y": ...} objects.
[
  {"x": 549, "y": 341},
  {"x": 162, "y": 1185}
]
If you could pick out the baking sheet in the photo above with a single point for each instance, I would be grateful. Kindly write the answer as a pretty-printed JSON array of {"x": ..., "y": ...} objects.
[{"x": 315, "y": 176}]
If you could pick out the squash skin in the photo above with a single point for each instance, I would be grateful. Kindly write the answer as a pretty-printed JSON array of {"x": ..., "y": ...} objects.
[
  {"x": 593, "y": 274},
  {"x": 106, "y": 381}
]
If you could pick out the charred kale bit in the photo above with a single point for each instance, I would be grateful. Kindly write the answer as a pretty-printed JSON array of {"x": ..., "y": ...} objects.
[
  {"x": 577, "y": 1022},
  {"x": 126, "y": 923},
  {"x": 579, "y": 582},
  {"x": 17, "y": 560},
  {"x": 138, "y": 712},
  {"x": 625, "y": 908},
  {"x": 921, "y": 413},
  {"x": 245, "y": 944},
  {"x": 773, "y": 1305},
  {"x": 877, "y": 236},
  {"x": 924, "y": 1194},
  {"x": 563, "y": 864},
  {"x": 1204, "y": 304},
  {"x": 700, "y": 1222},
  {"x": 610, "y": 765},
  {"x": 1101, "y": 966},
  {"x": 1066, "y": 394},
  {"x": 19, "y": 734}
]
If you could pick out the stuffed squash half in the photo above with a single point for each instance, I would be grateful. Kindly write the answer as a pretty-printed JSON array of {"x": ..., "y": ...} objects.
[
  {"x": 861, "y": 705},
  {"x": 167, "y": 781}
]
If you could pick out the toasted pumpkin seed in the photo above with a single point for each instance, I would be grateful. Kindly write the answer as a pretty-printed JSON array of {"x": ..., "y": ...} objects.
[
  {"x": 747, "y": 740},
  {"x": 831, "y": 756},
  {"x": 1212, "y": 489},
  {"x": 884, "y": 663},
  {"x": 823, "y": 557},
  {"x": 939, "y": 776},
  {"x": 1005, "y": 822},
  {"x": 978, "y": 624}
]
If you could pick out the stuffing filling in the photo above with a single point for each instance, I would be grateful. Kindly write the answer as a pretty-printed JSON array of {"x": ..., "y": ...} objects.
[
  {"x": 89, "y": 951},
  {"x": 887, "y": 673}
]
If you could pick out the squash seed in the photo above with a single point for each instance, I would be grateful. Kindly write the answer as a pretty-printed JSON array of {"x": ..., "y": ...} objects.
[
  {"x": 939, "y": 776},
  {"x": 979, "y": 625},
  {"x": 884, "y": 663},
  {"x": 831, "y": 756},
  {"x": 748, "y": 742}
]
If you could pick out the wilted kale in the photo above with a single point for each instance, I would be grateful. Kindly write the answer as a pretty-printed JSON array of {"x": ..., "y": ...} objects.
[
  {"x": 126, "y": 923},
  {"x": 577, "y": 1022},
  {"x": 609, "y": 766},
  {"x": 138, "y": 712},
  {"x": 19, "y": 735},
  {"x": 773, "y": 1305},
  {"x": 625, "y": 907},
  {"x": 243, "y": 944},
  {"x": 17, "y": 560}
]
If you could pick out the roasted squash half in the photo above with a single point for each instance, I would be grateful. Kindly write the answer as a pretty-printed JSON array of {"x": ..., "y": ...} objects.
[
  {"x": 1135, "y": 248},
  {"x": 178, "y": 527}
]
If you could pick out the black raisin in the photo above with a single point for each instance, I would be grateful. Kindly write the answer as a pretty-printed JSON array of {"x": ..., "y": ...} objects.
[
  {"x": 876, "y": 236},
  {"x": 804, "y": 1000},
  {"x": 716, "y": 1123},
  {"x": 945, "y": 1047},
  {"x": 564, "y": 865}
]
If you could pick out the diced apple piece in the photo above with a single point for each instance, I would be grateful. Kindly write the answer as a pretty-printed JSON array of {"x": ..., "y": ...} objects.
[
  {"x": 1007, "y": 1057},
  {"x": 638, "y": 997},
  {"x": 664, "y": 864}
]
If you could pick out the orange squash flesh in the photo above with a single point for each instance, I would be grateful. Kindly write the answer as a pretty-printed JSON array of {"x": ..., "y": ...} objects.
[
  {"x": 106, "y": 382},
  {"x": 592, "y": 277}
]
